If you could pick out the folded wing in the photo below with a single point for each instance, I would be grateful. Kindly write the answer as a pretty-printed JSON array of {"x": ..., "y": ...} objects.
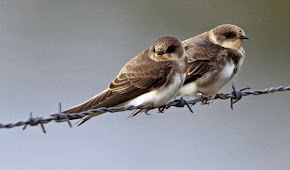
[
  {"x": 138, "y": 76},
  {"x": 203, "y": 57}
]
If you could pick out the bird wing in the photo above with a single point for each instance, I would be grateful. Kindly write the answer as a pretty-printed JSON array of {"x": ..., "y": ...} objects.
[
  {"x": 203, "y": 57},
  {"x": 138, "y": 76}
]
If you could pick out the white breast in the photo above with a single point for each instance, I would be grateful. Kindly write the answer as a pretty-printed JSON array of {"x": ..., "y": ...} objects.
[
  {"x": 227, "y": 72},
  {"x": 191, "y": 89},
  {"x": 225, "y": 75},
  {"x": 242, "y": 52},
  {"x": 159, "y": 96}
]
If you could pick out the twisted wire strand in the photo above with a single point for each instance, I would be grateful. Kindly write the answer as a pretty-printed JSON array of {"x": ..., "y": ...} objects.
[{"x": 235, "y": 96}]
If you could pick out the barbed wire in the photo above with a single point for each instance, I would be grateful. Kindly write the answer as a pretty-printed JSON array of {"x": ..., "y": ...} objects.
[{"x": 59, "y": 117}]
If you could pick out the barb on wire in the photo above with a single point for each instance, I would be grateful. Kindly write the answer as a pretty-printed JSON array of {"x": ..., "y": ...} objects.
[
  {"x": 34, "y": 121},
  {"x": 59, "y": 117}
]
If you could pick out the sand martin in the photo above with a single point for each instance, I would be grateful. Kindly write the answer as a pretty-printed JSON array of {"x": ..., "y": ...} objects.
[
  {"x": 214, "y": 58},
  {"x": 151, "y": 78}
]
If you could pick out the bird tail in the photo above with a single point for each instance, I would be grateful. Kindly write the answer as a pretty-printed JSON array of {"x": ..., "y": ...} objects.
[
  {"x": 90, "y": 104},
  {"x": 86, "y": 118},
  {"x": 137, "y": 111}
]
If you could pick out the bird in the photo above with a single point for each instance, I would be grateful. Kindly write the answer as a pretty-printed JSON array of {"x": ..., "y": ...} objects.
[
  {"x": 214, "y": 58},
  {"x": 151, "y": 78}
]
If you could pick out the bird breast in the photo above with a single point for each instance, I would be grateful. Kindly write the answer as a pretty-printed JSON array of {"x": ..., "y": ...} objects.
[{"x": 223, "y": 77}]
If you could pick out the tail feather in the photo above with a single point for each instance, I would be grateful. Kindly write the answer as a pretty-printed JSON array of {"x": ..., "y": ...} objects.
[
  {"x": 107, "y": 98},
  {"x": 93, "y": 103},
  {"x": 82, "y": 120},
  {"x": 137, "y": 111},
  {"x": 86, "y": 118}
]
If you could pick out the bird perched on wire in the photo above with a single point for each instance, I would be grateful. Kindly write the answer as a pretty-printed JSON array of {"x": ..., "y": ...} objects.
[
  {"x": 214, "y": 58},
  {"x": 151, "y": 78}
]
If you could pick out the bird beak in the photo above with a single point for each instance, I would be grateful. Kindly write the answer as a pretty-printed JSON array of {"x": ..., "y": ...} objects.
[
  {"x": 160, "y": 52},
  {"x": 243, "y": 37}
]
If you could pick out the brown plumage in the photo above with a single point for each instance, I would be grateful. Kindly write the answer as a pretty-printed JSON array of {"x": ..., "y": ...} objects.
[
  {"x": 214, "y": 57},
  {"x": 145, "y": 73}
]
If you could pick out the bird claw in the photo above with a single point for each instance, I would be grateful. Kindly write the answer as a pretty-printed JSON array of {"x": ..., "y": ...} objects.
[
  {"x": 161, "y": 109},
  {"x": 146, "y": 112},
  {"x": 148, "y": 109},
  {"x": 207, "y": 100}
]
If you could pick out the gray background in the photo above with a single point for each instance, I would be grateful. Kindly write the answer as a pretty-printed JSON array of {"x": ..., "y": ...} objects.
[{"x": 67, "y": 51}]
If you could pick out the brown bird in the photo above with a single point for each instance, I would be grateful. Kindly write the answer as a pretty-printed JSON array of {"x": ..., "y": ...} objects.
[
  {"x": 214, "y": 58},
  {"x": 151, "y": 78}
]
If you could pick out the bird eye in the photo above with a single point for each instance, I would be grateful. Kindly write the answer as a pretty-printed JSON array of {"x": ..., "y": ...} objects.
[
  {"x": 171, "y": 49},
  {"x": 229, "y": 35},
  {"x": 153, "y": 50}
]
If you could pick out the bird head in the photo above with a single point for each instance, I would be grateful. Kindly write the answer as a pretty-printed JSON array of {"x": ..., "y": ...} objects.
[
  {"x": 167, "y": 48},
  {"x": 228, "y": 36}
]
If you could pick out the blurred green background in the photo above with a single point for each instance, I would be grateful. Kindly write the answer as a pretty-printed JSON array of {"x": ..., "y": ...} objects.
[{"x": 69, "y": 50}]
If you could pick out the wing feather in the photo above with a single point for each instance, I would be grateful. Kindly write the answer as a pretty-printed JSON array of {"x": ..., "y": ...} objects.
[
  {"x": 203, "y": 57},
  {"x": 138, "y": 76}
]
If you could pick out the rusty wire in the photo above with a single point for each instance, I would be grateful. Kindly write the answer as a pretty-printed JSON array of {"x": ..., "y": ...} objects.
[{"x": 59, "y": 117}]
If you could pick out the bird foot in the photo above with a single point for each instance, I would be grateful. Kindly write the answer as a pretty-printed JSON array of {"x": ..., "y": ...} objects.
[
  {"x": 208, "y": 99},
  {"x": 161, "y": 109},
  {"x": 146, "y": 112},
  {"x": 148, "y": 109}
]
